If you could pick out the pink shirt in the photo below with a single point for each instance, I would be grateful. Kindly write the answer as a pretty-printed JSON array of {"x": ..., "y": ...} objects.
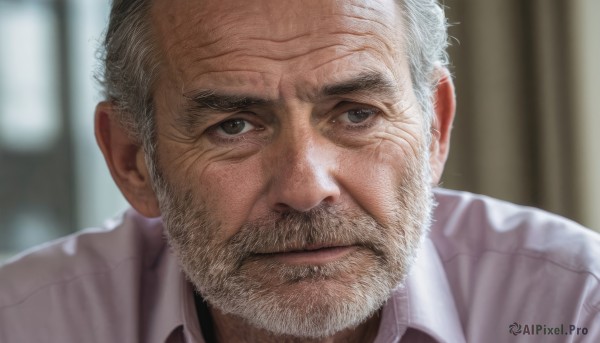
[{"x": 490, "y": 271}]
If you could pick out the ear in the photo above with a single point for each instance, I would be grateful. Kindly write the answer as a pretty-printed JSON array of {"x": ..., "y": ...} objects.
[
  {"x": 445, "y": 107},
  {"x": 126, "y": 161}
]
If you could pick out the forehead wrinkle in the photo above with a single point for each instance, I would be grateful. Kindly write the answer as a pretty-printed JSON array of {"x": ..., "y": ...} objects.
[
  {"x": 282, "y": 54},
  {"x": 350, "y": 53},
  {"x": 365, "y": 20},
  {"x": 304, "y": 44},
  {"x": 262, "y": 74},
  {"x": 217, "y": 55},
  {"x": 301, "y": 54},
  {"x": 280, "y": 40},
  {"x": 278, "y": 51},
  {"x": 380, "y": 10},
  {"x": 228, "y": 35},
  {"x": 231, "y": 80},
  {"x": 186, "y": 39},
  {"x": 336, "y": 58}
]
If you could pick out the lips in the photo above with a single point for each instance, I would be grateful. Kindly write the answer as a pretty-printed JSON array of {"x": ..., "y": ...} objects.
[
  {"x": 316, "y": 254},
  {"x": 308, "y": 248}
]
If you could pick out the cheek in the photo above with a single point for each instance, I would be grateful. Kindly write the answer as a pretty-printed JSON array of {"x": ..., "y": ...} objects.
[
  {"x": 227, "y": 190},
  {"x": 231, "y": 191},
  {"x": 373, "y": 177}
]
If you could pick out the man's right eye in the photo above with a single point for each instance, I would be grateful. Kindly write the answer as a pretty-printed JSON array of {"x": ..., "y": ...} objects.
[{"x": 233, "y": 127}]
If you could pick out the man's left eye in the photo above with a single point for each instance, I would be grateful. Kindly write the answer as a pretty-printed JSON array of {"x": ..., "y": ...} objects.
[{"x": 357, "y": 116}]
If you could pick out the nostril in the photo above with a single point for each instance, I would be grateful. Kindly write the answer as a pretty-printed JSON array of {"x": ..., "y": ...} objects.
[{"x": 286, "y": 195}]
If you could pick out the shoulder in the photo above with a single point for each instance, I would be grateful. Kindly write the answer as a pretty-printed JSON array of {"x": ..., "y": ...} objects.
[
  {"x": 473, "y": 224},
  {"x": 92, "y": 251},
  {"x": 536, "y": 266},
  {"x": 59, "y": 282}
]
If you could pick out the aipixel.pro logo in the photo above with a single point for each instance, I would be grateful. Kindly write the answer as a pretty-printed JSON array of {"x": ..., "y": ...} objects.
[
  {"x": 515, "y": 328},
  {"x": 546, "y": 330}
]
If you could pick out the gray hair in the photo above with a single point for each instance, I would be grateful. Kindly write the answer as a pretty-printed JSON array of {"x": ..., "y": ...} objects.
[
  {"x": 131, "y": 63},
  {"x": 426, "y": 41},
  {"x": 130, "y": 67}
]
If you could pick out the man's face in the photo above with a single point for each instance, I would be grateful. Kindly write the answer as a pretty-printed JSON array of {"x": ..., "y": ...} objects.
[{"x": 293, "y": 157}]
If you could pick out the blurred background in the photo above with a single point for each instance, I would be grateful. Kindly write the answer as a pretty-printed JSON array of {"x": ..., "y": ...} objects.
[{"x": 527, "y": 75}]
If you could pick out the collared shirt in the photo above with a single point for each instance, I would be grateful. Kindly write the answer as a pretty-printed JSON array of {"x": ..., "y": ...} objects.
[{"x": 489, "y": 271}]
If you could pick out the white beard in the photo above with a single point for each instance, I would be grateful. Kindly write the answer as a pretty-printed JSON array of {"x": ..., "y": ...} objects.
[{"x": 300, "y": 300}]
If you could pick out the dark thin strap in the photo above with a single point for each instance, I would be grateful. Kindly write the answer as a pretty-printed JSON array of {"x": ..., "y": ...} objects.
[{"x": 205, "y": 319}]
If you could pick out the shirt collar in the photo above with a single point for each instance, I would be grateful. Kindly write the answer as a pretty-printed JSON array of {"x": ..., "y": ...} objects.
[
  {"x": 167, "y": 297},
  {"x": 176, "y": 304},
  {"x": 424, "y": 303}
]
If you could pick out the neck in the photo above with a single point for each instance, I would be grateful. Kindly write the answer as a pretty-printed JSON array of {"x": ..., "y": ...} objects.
[{"x": 230, "y": 328}]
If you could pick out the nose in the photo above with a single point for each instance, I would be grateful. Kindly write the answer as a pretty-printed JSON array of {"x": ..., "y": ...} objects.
[{"x": 303, "y": 175}]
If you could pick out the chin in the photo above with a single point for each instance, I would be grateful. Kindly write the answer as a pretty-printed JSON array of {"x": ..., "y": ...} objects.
[{"x": 308, "y": 301}]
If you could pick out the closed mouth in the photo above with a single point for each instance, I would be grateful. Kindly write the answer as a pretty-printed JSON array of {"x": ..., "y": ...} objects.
[
  {"x": 309, "y": 255},
  {"x": 307, "y": 248}
]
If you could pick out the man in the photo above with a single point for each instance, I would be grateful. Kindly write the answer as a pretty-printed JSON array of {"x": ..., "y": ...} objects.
[{"x": 290, "y": 149}]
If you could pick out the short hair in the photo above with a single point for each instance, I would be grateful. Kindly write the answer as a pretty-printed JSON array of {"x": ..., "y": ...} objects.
[
  {"x": 426, "y": 40},
  {"x": 130, "y": 60}
]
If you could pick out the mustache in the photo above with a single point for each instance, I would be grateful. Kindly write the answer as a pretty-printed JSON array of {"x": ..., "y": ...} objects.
[{"x": 320, "y": 227}]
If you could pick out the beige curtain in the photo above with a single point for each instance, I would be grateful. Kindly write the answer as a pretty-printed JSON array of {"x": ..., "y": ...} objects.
[{"x": 528, "y": 91}]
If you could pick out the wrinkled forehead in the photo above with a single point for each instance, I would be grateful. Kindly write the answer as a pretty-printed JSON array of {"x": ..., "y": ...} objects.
[
  {"x": 283, "y": 17},
  {"x": 274, "y": 37}
]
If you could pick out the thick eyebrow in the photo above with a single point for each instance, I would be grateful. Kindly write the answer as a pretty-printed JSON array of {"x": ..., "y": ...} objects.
[
  {"x": 209, "y": 100},
  {"x": 201, "y": 104},
  {"x": 370, "y": 82}
]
